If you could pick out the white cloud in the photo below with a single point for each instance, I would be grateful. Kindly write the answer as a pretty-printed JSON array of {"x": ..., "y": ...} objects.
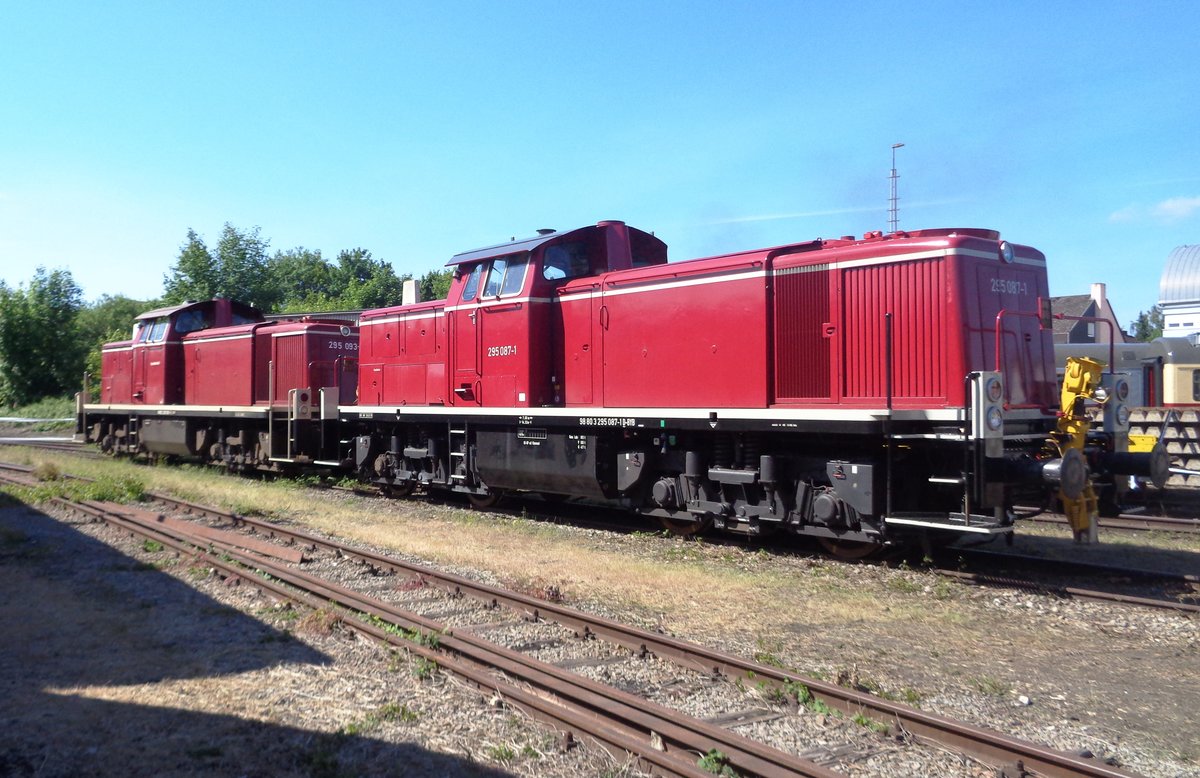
[
  {"x": 1169, "y": 211},
  {"x": 1130, "y": 213},
  {"x": 1177, "y": 209}
]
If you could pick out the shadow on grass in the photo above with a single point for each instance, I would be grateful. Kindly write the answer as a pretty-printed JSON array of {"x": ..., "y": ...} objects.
[{"x": 77, "y": 615}]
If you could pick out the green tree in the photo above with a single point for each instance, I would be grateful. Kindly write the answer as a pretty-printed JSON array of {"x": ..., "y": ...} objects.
[
  {"x": 242, "y": 257},
  {"x": 1148, "y": 325},
  {"x": 195, "y": 275},
  {"x": 301, "y": 274},
  {"x": 40, "y": 351},
  {"x": 238, "y": 268},
  {"x": 368, "y": 282},
  {"x": 435, "y": 285}
]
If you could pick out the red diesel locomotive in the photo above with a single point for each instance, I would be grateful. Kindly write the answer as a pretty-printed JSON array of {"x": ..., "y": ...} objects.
[
  {"x": 214, "y": 380},
  {"x": 859, "y": 391}
]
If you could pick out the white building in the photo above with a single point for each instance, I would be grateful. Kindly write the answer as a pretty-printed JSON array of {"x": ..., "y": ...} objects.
[{"x": 1179, "y": 292}]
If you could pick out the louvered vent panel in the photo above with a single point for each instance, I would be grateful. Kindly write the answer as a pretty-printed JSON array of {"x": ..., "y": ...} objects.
[
  {"x": 801, "y": 348},
  {"x": 290, "y": 364},
  {"x": 913, "y": 292}
]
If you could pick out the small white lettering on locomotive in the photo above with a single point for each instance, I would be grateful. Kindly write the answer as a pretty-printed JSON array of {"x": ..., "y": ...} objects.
[
  {"x": 502, "y": 351},
  {"x": 606, "y": 421},
  {"x": 1005, "y": 286},
  {"x": 343, "y": 345}
]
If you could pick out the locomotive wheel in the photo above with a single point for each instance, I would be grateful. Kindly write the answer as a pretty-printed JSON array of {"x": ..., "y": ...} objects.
[
  {"x": 684, "y": 529},
  {"x": 849, "y": 550},
  {"x": 487, "y": 501},
  {"x": 401, "y": 489}
]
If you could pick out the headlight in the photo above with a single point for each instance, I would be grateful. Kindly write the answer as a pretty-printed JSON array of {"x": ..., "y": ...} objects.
[
  {"x": 1121, "y": 389},
  {"x": 995, "y": 419},
  {"x": 995, "y": 390},
  {"x": 1123, "y": 415},
  {"x": 1006, "y": 251}
]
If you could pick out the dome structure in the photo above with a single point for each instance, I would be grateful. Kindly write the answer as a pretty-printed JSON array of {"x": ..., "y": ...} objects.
[{"x": 1180, "y": 281}]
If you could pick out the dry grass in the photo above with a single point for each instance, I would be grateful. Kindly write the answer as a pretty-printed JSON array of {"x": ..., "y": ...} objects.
[{"x": 689, "y": 585}]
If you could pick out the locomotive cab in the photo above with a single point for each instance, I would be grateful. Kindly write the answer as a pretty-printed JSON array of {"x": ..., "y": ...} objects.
[
  {"x": 505, "y": 316},
  {"x": 148, "y": 369}
]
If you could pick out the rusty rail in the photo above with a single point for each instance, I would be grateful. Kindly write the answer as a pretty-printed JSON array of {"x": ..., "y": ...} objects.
[
  {"x": 986, "y": 745},
  {"x": 663, "y": 740}
]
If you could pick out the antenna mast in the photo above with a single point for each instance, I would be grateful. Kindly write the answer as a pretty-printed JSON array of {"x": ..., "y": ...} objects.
[{"x": 893, "y": 215}]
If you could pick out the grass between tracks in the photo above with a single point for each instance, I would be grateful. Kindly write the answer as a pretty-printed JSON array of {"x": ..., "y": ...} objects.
[
  {"x": 689, "y": 586},
  {"x": 675, "y": 583}
]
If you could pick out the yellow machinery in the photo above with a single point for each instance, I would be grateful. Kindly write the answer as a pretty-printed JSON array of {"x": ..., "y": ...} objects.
[{"x": 1081, "y": 382}]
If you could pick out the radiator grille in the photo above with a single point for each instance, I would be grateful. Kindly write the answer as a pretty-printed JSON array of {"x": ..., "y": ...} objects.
[
  {"x": 802, "y": 352},
  {"x": 915, "y": 294}
]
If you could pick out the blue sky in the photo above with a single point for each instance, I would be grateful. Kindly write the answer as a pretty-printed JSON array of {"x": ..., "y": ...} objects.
[{"x": 421, "y": 130}]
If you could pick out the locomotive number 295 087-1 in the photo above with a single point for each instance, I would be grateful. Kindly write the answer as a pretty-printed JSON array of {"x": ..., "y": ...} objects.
[
  {"x": 1005, "y": 286},
  {"x": 502, "y": 351}
]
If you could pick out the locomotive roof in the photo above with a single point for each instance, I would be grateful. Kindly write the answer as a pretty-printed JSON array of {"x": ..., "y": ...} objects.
[
  {"x": 157, "y": 312},
  {"x": 243, "y": 308},
  {"x": 529, "y": 244}
]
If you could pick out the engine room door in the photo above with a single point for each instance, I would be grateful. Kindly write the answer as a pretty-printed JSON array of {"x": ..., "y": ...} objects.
[{"x": 138, "y": 391}]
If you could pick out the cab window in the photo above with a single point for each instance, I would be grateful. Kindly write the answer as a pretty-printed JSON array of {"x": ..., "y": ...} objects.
[
  {"x": 506, "y": 276},
  {"x": 472, "y": 285},
  {"x": 565, "y": 260},
  {"x": 1196, "y": 385},
  {"x": 191, "y": 321},
  {"x": 514, "y": 276},
  {"x": 495, "y": 278},
  {"x": 158, "y": 331}
]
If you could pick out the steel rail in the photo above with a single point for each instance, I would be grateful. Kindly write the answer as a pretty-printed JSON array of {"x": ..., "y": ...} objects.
[
  {"x": 986, "y": 745},
  {"x": 679, "y": 737},
  {"x": 1068, "y": 591},
  {"x": 1058, "y": 566},
  {"x": 1132, "y": 522}
]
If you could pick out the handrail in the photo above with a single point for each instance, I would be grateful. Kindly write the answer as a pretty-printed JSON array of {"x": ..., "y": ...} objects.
[
  {"x": 1042, "y": 326},
  {"x": 1112, "y": 334}
]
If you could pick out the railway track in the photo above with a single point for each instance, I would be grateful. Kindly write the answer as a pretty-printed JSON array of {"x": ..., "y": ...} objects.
[
  {"x": 56, "y": 444},
  {"x": 1133, "y": 522},
  {"x": 1178, "y": 592},
  {"x": 664, "y": 740}
]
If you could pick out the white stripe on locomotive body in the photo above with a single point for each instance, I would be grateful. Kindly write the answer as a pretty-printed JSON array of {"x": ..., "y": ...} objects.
[
  {"x": 219, "y": 338},
  {"x": 171, "y": 410},
  {"x": 399, "y": 317},
  {"x": 722, "y": 414},
  {"x": 143, "y": 345},
  {"x": 909, "y": 257},
  {"x": 781, "y": 415}
]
